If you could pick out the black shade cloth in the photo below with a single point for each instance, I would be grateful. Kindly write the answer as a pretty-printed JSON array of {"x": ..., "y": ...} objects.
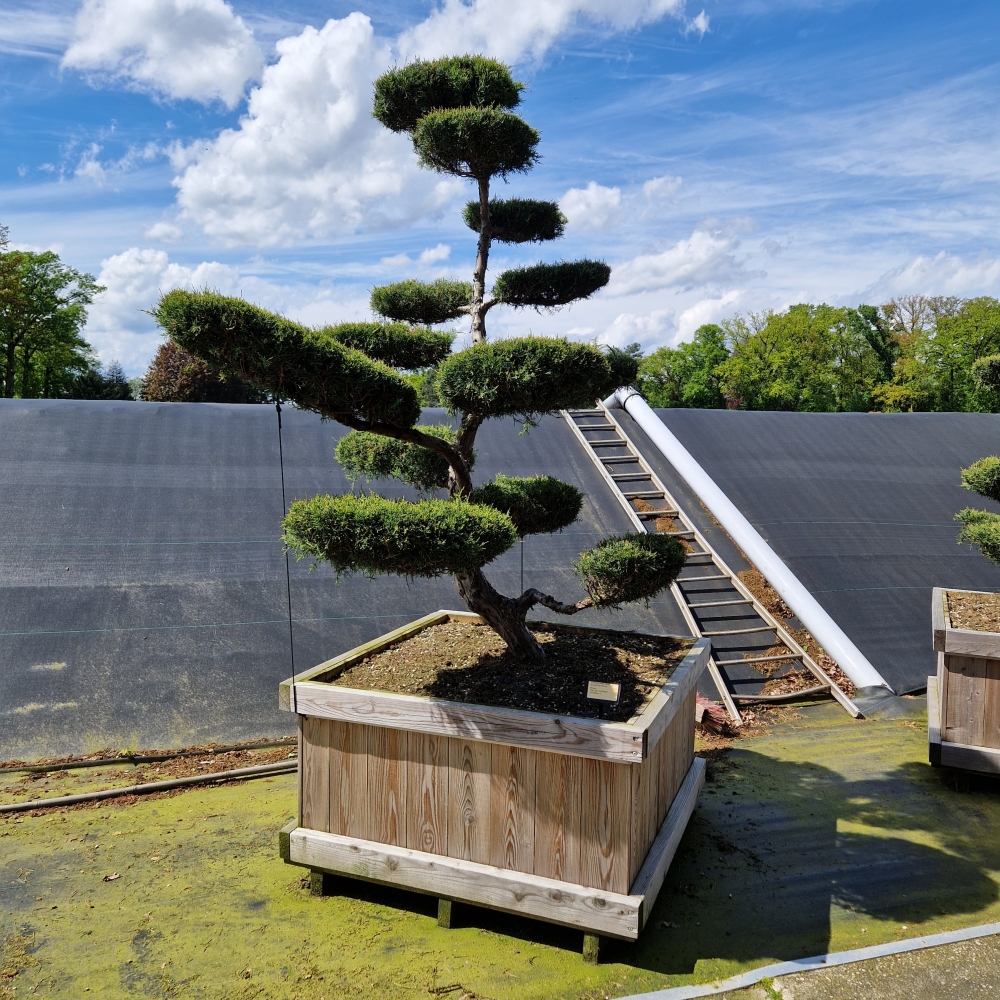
[
  {"x": 142, "y": 583},
  {"x": 860, "y": 507}
]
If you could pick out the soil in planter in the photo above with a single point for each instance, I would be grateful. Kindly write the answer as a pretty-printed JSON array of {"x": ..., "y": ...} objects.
[
  {"x": 467, "y": 662},
  {"x": 979, "y": 612}
]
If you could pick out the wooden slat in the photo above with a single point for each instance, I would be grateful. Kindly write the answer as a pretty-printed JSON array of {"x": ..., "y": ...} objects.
[
  {"x": 650, "y": 878},
  {"x": 314, "y": 766},
  {"x": 584, "y": 737},
  {"x": 427, "y": 793},
  {"x": 512, "y": 808},
  {"x": 964, "y": 712},
  {"x": 669, "y": 699},
  {"x": 387, "y": 786},
  {"x": 356, "y": 764},
  {"x": 558, "y": 803},
  {"x": 991, "y": 695},
  {"x": 340, "y": 803},
  {"x": 938, "y": 623},
  {"x": 613, "y": 914},
  {"x": 469, "y": 816},
  {"x": 970, "y": 758},
  {"x": 933, "y": 708},
  {"x": 604, "y": 838},
  {"x": 639, "y": 817}
]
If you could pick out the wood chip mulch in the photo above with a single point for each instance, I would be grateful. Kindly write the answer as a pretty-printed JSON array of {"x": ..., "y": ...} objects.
[
  {"x": 975, "y": 611},
  {"x": 467, "y": 662}
]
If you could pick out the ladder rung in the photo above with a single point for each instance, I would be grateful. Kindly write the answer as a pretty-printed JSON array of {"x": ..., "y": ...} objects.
[
  {"x": 744, "y": 631},
  {"x": 642, "y": 493},
  {"x": 584, "y": 413},
  {"x": 718, "y": 604},
  {"x": 603, "y": 425},
  {"x": 629, "y": 475},
  {"x": 758, "y": 659},
  {"x": 665, "y": 512},
  {"x": 698, "y": 579},
  {"x": 610, "y": 443},
  {"x": 612, "y": 461}
]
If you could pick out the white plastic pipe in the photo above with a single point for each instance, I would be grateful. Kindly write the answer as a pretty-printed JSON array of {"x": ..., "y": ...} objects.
[{"x": 824, "y": 629}]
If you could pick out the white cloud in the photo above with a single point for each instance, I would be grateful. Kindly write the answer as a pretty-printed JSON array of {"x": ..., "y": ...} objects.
[
  {"x": 592, "y": 207},
  {"x": 308, "y": 160},
  {"x": 706, "y": 257},
  {"x": 183, "y": 49},
  {"x": 629, "y": 328},
  {"x": 119, "y": 327},
  {"x": 34, "y": 30},
  {"x": 698, "y": 24},
  {"x": 943, "y": 274},
  {"x": 661, "y": 188},
  {"x": 512, "y": 29},
  {"x": 706, "y": 311},
  {"x": 429, "y": 257},
  {"x": 163, "y": 232},
  {"x": 90, "y": 167}
]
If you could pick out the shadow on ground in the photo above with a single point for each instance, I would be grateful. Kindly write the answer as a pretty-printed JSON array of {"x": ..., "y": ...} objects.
[{"x": 823, "y": 834}]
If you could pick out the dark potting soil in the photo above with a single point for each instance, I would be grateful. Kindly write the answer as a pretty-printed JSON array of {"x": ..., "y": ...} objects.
[
  {"x": 467, "y": 662},
  {"x": 979, "y": 612}
]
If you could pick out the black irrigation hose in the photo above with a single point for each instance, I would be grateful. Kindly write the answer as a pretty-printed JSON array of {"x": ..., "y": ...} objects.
[
  {"x": 134, "y": 758},
  {"x": 257, "y": 771}
]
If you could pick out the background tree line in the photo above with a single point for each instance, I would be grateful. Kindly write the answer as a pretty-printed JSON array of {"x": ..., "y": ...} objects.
[{"x": 914, "y": 353}]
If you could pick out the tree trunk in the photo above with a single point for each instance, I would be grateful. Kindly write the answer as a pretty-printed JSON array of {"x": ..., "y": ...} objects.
[
  {"x": 482, "y": 258},
  {"x": 502, "y": 614}
]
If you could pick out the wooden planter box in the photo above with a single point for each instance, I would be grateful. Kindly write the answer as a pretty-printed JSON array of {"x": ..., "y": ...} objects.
[
  {"x": 963, "y": 701},
  {"x": 568, "y": 820}
]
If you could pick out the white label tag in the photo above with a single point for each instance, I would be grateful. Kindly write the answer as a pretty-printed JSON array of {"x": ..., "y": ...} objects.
[{"x": 602, "y": 691}]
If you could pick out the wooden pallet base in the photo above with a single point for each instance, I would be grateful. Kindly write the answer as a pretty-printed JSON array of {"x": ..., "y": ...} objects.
[
  {"x": 611, "y": 914},
  {"x": 959, "y": 755}
]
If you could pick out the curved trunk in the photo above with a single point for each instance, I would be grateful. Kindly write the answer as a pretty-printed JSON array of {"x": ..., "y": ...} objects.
[
  {"x": 504, "y": 615},
  {"x": 482, "y": 258}
]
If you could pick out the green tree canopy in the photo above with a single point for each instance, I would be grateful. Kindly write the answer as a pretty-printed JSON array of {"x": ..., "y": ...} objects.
[
  {"x": 366, "y": 375},
  {"x": 43, "y": 308},
  {"x": 686, "y": 375}
]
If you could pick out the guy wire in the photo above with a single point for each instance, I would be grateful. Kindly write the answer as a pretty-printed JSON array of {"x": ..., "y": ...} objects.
[{"x": 288, "y": 576}]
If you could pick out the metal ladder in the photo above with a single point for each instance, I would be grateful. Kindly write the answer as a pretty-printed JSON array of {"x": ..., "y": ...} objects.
[{"x": 705, "y": 574}]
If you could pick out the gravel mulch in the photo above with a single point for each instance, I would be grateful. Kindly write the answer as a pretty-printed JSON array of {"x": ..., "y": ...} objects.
[
  {"x": 467, "y": 662},
  {"x": 976, "y": 611}
]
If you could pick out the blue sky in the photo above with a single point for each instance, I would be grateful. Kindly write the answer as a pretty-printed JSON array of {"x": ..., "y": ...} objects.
[{"x": 728, "y": 156}]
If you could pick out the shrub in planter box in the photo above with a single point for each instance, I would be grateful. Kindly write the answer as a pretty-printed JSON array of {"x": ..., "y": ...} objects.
[{"x": 372, "y": 377}]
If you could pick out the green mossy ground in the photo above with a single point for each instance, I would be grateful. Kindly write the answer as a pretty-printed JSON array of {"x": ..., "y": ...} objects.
[{"x": 821, "y": 835}]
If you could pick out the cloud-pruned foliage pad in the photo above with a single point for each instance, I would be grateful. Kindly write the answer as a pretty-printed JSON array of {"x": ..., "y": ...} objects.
[
  {"x": 404, "y": 95},
  {"x": 399, "y": 345},
  {"x": 982, "y": 529},
  {"x": 475, "y": 142},
  {"x": 518, "y": 220},
  {"x": 524, "y": 376},
  {"x": 421, "y": 302},
  {"x": 373, "y": 535},
  {"x": 546, "y": 286},
  {"x": 285, "y": 359},
  {"x": 537, "y": 504},
  {"x": 374, "y": 456},
  {"x": 983, "y": 477},
  {"x": 630, "y": 568}
]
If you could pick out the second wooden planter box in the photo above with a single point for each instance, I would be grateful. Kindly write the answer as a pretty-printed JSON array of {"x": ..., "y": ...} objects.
[
  {"x": 963, "y": 700},
  {"x": 569, "y": 820}
]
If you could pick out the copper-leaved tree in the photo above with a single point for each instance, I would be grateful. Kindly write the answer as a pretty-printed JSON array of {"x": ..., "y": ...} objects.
[{"x": 458, "y": 114}]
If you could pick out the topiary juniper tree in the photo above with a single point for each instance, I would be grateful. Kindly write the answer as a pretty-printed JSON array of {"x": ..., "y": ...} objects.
[
  {"x": 982, "y": 527},
  {"x": 458, "y": 113}
]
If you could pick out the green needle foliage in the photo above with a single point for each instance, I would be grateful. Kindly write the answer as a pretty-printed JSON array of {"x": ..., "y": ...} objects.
[
  {"x": 286, "y": 359},
  {"x": 524, "y": 377},
  {"x": 373, "y": 456},
  {"x": 372, "y": 535},
  {"x": 404, "y": 96},
  {"x": 982, "y": 527},
  {"x": 373, "y": 376},
  {"x": 518, "y": 220},
  {"x": 547, "y": 286},
  {"x": 633, "y": 568},
  {"x": 475, "y": 142},
  {"x": 397, "y": 344},
  {"x": 537, "y": 505},
  {"x": 417, "y": 302}
]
